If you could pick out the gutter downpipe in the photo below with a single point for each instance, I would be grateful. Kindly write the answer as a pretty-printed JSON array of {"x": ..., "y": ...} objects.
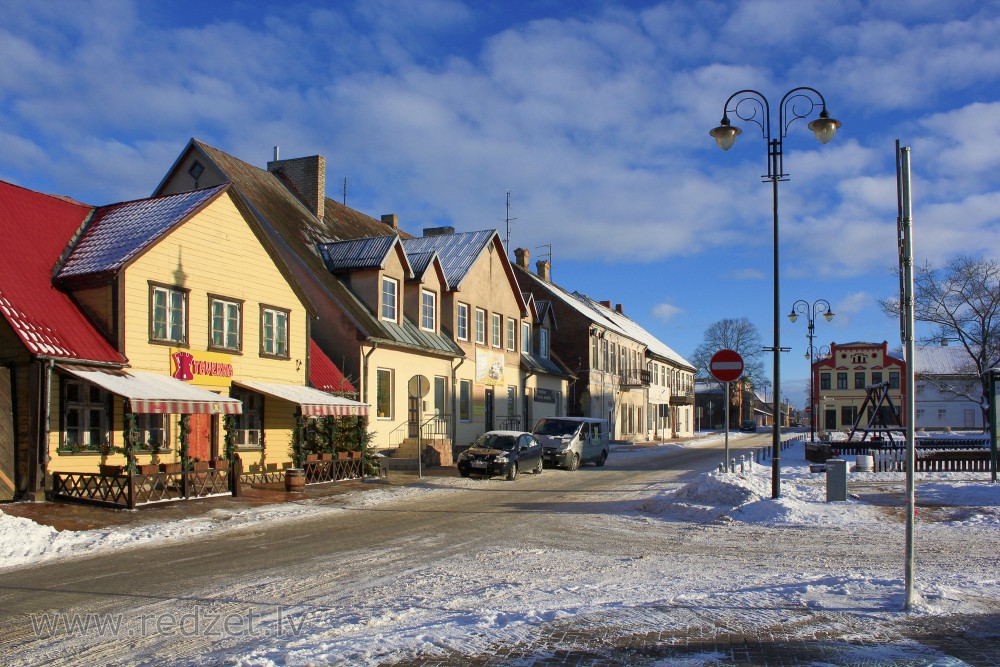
[
  {"x": 364, "y": 399},
  {"x": 524, "y": 398}
]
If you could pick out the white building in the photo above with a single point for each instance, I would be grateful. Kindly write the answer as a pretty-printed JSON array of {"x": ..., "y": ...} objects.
[{"x": 947, "y": 389}]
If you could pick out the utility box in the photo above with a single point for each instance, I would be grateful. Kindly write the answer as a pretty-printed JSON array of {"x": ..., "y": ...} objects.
[{"x": 836, "y": 480}]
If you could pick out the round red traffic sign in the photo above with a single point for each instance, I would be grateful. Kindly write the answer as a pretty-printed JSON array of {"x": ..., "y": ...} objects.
[{"x": 726, "y": 365}]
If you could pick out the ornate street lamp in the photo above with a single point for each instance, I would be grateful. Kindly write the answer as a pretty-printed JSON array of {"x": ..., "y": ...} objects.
[
  {"x": 750, "y": 105},
  {"x": 817, "y": 307}
]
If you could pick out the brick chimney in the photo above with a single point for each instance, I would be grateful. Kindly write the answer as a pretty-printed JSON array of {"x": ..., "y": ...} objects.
[
  {"x": 606, "y": 304},
  {"x": 307, "y": 176},
  {"x": 618, "y": 308},
  {"x": 544, "y": 269},
  {"x": 521, "y": 257},
  {"x": 392, "y": 220},
  {"x": 439, "y": 231}
]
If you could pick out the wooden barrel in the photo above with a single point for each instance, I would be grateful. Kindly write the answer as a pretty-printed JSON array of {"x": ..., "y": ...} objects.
[{"x": 295, "y": 480}]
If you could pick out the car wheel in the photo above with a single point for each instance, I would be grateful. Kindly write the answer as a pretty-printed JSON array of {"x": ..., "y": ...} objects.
[
  {"x": 574, "y": 462},
  {"x": 512, "y": 472},
  {"x": 464, "y": 474},
  {"x": 538, "y": 466},
  {"x": 604, "y": 457}
]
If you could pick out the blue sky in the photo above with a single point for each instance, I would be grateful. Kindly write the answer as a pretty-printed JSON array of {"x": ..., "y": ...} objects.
[{"x": 595, "y": 115}]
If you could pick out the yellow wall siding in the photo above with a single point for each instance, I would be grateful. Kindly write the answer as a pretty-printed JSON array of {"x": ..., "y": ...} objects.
[{"x": 214, "y": 253}]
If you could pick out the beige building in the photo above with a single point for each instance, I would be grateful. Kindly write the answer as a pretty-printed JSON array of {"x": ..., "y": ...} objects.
[{"x": 842, "y": 381}]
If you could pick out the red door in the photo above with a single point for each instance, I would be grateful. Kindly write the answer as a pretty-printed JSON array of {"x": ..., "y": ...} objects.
[{"x": 200, "y": 441}]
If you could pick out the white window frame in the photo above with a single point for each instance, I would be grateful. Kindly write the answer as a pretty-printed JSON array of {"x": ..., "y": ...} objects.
[
  {"x": 389, "y": 300},
  {"x": 462, "y": 322},
  {"x": 465, "y": 401},
  {"x": 526, "y": 337},
  {"x": 172, "y": 315},
  {"x": 511, "y": 334},
  {"x": 496, "y": 330},
  {"x": 480, "y": 326},
  {"x": 232, "y": 327},
  {"x": 428, "y": 310}
]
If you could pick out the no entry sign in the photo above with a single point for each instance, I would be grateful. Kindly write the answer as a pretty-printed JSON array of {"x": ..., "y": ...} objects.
[{"x": 726, "y": 366}]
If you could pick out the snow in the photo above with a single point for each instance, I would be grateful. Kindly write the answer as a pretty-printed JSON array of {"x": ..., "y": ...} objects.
[{"x": 524, "y": 585}]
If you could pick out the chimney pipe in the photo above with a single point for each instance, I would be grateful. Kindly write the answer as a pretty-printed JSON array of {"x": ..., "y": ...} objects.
[
  {"x": 544, "y": 269},
  {"x": 618, "y": 308},
  {"x": 306, "y": 178},
  {"x": 606, "y": 304},
  {"x": 392, "y": 220},
  {"x": 522, "y": 257},
  {"x": 275, "y": 154}
]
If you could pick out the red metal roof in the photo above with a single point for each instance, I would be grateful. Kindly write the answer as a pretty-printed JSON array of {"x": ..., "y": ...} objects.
[
  {"x": 324, "y": 374},
  {"x": 36, "y": 228}
]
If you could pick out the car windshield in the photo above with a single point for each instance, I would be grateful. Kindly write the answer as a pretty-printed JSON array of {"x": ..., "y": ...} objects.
[
  {"x": 556, "y": 427},
  {"x": 495, "y": 441}
]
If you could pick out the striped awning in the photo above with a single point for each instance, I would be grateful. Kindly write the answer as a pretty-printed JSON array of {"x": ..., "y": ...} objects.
[
  {"x": 312, "y": 402},
  {"x": 151, "y": 393}
]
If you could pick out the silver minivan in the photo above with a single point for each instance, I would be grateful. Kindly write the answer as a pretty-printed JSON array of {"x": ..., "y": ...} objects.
[{"x": 571, "y": 441}]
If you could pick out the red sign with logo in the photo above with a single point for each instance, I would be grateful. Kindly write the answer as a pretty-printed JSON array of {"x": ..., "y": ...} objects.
[{"x": 726, "y": 366}]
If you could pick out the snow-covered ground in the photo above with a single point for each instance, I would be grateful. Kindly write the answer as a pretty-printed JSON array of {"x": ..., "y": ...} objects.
[{"x": 716, "y": 551}]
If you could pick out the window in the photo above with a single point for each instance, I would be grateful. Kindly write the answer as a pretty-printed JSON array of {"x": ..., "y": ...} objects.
[
  {"x": 512, "y": 402},
  {"x": 841, "y": 380},
  {"x": 225, "y": 326},
  {"x": 154, "y": 433},
  {"x": 428, "y": 310},
  {"x": 942, "y": 413},
  {"x": 511, "y": 334},
  {"x": 920, "y": 413},
  {"x": 543, "y": 343},
  {"x": 383, "y": 391},
  {"x": 167, "y": 314},
  {"x": 390, "y": 299},
  {"x": 824, "y": 380},
  {"x": 480, "y": 326},
  {"x": 526, "y": 339},
  {"x": 859, "y": 380},
  {"x": 495, "y": 322},
  {"x": 614, "y": 358},
  {"x": 893, "y": 380},
  {"x": 848, "y": 413},
  {"x": 86, "y": 427},
  {"x": 273, "y": 332},
  {"x": 465, "y": 400},
  {"x": 463, "y": 321},
  {"x": 249, "y": 425},
  {"x": 876, "y": 377}
]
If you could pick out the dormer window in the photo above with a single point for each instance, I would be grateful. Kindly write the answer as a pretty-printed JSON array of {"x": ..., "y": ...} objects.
[
  {"x": 390, "y": 299},
  {"x": 526, "y": 337},
  {"x": 543, "y": 343},
  {"x": 428, "y": 310}
]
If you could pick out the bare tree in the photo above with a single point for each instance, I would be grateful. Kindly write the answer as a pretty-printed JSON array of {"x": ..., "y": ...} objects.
[
  {"x": 961, "y": 301},
  {"x": 738, "y": 335}
]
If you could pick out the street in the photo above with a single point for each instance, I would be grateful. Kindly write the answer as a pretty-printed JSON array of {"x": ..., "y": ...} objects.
[{"x": 510, "y": 568}]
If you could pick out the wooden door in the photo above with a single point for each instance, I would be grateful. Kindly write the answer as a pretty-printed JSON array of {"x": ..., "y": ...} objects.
[
  {"x": 7, "y": 457},
  {"x": 200, "y": 441}
]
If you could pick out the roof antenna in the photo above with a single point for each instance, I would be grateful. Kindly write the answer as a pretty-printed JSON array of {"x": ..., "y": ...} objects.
[
  {"x": 345, "y": 190},
  {"x": 548, "y": 254},
  {"x": 507, "y": 221}
]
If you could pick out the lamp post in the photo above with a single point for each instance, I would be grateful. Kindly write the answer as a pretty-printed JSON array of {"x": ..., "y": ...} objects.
[
  {"x": 817, "y": 307},
  {"x": 750, "y": 105}
]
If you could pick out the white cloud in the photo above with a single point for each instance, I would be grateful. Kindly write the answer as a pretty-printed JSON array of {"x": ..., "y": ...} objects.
[{"x": 666, "y": 312}]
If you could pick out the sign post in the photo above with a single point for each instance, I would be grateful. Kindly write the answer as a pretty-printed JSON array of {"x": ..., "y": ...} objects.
[
  {"x": 417, "y": 387},
  {"x": 726, "y": 366}
]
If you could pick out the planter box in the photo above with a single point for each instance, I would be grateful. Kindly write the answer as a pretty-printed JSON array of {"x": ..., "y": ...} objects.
[
  {"x": 199, "y": 466},
  {"x": 342, "y": 456},
  {"x": 312, "y": 457},
  {"x": 111, "y": 470},
  {"x": 219, "y": 464},
  {"x": 326, "y": 457},
  {"x": 149, "y": 468},
  {"x": 170, "y": 467}
]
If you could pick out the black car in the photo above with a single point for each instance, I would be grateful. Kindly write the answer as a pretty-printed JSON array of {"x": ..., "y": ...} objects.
[
  {"x": 501, "y": 453},
  {"x": 748, "y": 426}
]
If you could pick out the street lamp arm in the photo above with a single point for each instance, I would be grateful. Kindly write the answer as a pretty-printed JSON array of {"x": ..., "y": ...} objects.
[{"x": 750, "y": 106}]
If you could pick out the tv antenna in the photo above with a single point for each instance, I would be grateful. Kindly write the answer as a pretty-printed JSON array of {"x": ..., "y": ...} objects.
[
  {"x": 548, "y": 253},
  {"x": 507, "y": 220}
]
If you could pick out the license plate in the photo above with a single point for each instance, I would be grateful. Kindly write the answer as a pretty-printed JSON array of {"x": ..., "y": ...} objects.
[{"x": 478, "y": 464}]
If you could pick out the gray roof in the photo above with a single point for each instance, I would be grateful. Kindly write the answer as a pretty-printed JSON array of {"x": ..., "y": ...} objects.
[
  {"x": 354, "y": 254},
  {"x": 943, "y": 360},
  {"x": 457, "y": 252},
  {"x": 120, "y": 232},
  {"x": 537, "y": 364},
  {"x": 420, "y": 262}
]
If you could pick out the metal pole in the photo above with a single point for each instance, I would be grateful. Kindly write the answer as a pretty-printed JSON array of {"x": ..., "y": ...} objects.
[
  {"x": 908, "y": 323},
  {"x": 726, "y": 460},
  {"x": 993, "y": 372},
  {"x": 775, "y": 150},
  {"x": 812, "y": 389}
]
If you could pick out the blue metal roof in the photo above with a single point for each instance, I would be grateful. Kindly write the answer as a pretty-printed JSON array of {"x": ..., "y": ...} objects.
[
  {"x": 119, "y": 232},
  {"x": 367, "y": 253},
  {"x": 457, "y": 252}
]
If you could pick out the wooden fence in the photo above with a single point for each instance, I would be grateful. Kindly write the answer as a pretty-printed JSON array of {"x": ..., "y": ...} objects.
[{"x": 132, "y": 490}]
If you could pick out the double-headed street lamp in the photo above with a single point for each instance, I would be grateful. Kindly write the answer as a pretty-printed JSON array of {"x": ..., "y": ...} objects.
[
  {"x": 749, "y": 105},
  {"x": 817, "y": 307}
]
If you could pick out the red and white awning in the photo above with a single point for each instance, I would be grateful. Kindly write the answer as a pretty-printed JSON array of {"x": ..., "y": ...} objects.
[
  {"x": 312, "y": 402},
  {"x": 151, "y": 393}
]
